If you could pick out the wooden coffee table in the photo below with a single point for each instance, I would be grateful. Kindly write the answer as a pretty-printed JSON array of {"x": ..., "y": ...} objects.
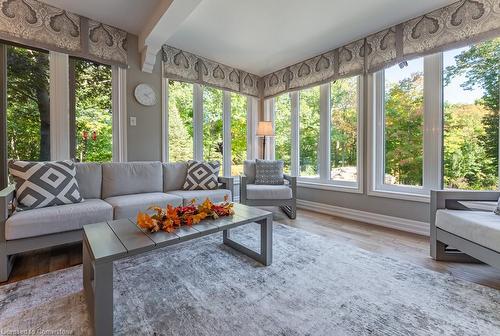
[{"x": 106, "y": 242}]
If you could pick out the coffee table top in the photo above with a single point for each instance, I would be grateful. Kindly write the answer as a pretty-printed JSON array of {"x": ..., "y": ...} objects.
[{"x": 115, "y": 239}]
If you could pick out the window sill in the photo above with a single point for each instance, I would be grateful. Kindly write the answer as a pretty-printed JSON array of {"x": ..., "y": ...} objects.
[
  {"x": 328, "y": 185},
  {"x": 407, "y": 196}
]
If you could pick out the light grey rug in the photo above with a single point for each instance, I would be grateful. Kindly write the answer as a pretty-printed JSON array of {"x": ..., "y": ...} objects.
[{"x": 314, "y": 287}]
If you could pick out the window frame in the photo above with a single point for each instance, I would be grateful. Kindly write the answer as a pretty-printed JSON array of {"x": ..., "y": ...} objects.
[{"x": 432, "y": 134}]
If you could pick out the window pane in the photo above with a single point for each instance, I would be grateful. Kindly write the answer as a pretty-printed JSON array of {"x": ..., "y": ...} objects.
[
  {"x": 180, "y": 121},
  {"x": 212, "y": 125},
  {"x": 404, "y": 124},
  {"x": 93, "y": 114},
  {"x": 309, "y": 130},
  {"x": 344, "y": 129},
  {"x": 28, "y": 108},
  {"x": 238, "y": 133},
  {"x": 471, "y": 94},
  {"x": 283, "y": 130}
]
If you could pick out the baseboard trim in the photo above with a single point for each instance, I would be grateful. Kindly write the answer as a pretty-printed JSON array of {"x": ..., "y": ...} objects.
[{"x": 402, "y": 224}]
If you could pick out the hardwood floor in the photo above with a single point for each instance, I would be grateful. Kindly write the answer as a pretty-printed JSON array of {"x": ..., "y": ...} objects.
[{"x": 388, "y": 242}]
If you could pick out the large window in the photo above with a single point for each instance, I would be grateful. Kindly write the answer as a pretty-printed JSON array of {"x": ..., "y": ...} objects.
[
  {"x": 404, "y": 124},
  {"x": 28, "y": 108},
  {"x": 283, "y": 130},
  {"x": 344, "y": 129},
  {"x": 180, "y": 121},
  {"x": 471, "y": 94},
  {"x": 238, "y": 133},
  {"x": 93, "y": 121},
  {"x": 213, "y": 125},
  {"x": 309, "y": 132}
]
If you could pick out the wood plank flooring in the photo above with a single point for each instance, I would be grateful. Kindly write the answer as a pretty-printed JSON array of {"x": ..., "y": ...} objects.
[{"x": 388, "y": 242}]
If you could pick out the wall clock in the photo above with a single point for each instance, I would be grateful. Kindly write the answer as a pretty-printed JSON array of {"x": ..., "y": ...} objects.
[{"x": 145, "y": 95}]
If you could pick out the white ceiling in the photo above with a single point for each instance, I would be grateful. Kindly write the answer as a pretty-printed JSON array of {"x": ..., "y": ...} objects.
[
  {"x": 129, "y": 15},
  {"x": 260, "y": 36}
]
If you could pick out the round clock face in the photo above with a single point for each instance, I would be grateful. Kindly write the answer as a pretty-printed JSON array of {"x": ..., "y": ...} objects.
[{"x": 145, "y": 95}]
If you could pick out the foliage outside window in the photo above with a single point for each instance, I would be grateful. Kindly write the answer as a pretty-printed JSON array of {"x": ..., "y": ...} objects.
[
  {"x": 213, "y": 125},
  {"x": 180, "y": 121},
  {"x": 28, "y": 108},
  {"x": 404, "y": 124},
  {"x": 471, "y": 93},
  {"x": 93, "y": 113},
  {"x": 238, "y": 133},
  {"x": 283, "y": 126},
  {"x": 309, "y": 132},
  {"x": 344, "y": 129}
]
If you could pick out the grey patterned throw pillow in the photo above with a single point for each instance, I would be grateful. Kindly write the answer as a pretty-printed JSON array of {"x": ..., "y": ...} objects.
[
  {"x": 268, "y": 172},
  {"x": 202, "y": 175},
  {"x": 43, "y": 184}
]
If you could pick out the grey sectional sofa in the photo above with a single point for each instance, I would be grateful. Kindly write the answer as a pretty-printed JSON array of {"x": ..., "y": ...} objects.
[{"x": 110, "y": 191}]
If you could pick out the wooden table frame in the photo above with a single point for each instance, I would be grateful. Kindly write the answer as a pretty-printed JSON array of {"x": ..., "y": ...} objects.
[{"x": 104, "y": 243}]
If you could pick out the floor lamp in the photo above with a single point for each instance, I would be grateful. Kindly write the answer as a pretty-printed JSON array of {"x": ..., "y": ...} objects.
[{"x": 265, "y": 129}]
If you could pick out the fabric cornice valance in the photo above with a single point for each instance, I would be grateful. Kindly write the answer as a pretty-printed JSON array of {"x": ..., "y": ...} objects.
[
  {"x": 184, "y": 66},
  {"x": 459, "y": 24},
  {"x": 36, "y": 24}
]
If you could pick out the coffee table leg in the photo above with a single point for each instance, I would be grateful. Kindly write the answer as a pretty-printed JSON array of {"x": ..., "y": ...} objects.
[
  {"x": 265, "y": 256},
  {"x": 99, "y": 297}
]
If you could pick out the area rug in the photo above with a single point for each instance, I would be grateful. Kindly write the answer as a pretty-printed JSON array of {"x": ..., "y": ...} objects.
[{"x": 315, "y": 286}]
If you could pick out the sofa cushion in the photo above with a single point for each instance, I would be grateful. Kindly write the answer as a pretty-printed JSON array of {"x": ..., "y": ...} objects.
[
  {"x": 61, "y": 218},
  {"x": 131, "y": 178},
  {"x": 479, "y": 227},
  {"x": 259, "y": 191},
  {"x": 89, "y": 177},
  {"x": 127, "y": 206},
  {"x": 43, "y": 184},
  {"x": 199, "y": 196},
  {"x": 249, "y": 170},
  {"x": 174, "y": 175},
  {"x": 202, "y": 175}
]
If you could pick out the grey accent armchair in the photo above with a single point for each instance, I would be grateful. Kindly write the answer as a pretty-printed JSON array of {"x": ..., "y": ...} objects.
[
  {"x": 461, "y": 233},
  {"x": 283, "y": 196}
]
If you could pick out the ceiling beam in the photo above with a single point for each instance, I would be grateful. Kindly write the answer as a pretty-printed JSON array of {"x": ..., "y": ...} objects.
[{"x": 167, "y": 18}]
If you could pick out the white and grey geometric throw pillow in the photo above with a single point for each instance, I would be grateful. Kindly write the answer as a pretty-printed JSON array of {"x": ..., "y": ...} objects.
[
  {"x": 202, "y": 175},
  {"x": 269, "y": 172},
  {"x": 43, "y": 184}
]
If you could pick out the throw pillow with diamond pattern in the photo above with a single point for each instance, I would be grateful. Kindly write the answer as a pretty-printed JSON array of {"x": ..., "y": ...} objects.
[
  {"x": 43, "y": 184},
  {"x": 269, "y": 172},
  {"x": 202, "y": 175}
]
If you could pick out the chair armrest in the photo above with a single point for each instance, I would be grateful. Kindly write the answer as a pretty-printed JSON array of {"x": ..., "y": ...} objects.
[
  {"x": 447, "y": 199},
  {"x": 6, "y": 196},
  {"x": 243, "y": 189},
  {"x": 227, "y": 183},
  {"x": 292, "y": 182}
]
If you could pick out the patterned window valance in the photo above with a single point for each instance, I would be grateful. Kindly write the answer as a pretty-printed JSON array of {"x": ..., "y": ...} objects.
[
  {"x": 36, "y": 24},
  {"x": 184, "y": 66},
  {"x": 459, "y": 24}
]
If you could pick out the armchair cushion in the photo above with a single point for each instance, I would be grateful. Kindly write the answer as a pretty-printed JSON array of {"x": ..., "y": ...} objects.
[
  {"x": 479, "y": 227},
  {"x": 269, "y": 172},
  {"x": 261, "y": 191}
]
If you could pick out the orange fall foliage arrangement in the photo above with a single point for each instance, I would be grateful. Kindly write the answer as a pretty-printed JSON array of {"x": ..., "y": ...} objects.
[{"x": 170, "y": 218}]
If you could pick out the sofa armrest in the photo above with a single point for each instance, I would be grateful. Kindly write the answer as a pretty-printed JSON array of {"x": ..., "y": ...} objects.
[
  {"x": 243, "y": 189},
  {"x": 227, "y": 183},
  {"x": 6, "y": 196},
  {"x": 292, "y": 182}
]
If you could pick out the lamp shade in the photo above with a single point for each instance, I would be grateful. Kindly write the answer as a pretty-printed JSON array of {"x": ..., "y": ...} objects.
[{"x": 265, "y": 128}]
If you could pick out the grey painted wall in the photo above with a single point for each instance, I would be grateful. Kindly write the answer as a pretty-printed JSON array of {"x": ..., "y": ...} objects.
[{"x": 144, "y": 140}]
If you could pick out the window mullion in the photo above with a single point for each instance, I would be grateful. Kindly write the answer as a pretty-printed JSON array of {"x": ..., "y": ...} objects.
[
  {"x": 226, "y": 137},
  {"x": 198, "y": 122},
  {"x": 379, "y": 148},
  {"x": 164, "y": 119},
  {"x": 294, "y": 158},
  {"x": 324, "y": 139},
  {"x": 433, "y": 116}
]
